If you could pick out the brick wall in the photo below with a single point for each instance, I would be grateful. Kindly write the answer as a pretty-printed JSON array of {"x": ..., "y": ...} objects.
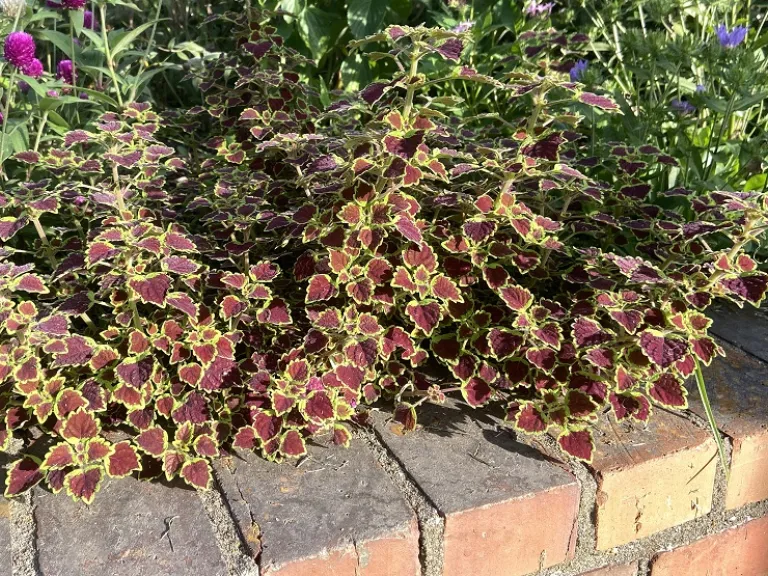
[{"x": 461, "y": 496}]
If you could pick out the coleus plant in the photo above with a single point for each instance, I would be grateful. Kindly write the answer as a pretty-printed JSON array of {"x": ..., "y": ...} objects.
[{"x": 249, "y": 273}]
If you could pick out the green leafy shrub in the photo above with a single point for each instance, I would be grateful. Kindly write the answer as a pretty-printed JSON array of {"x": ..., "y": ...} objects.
[{"x": 249, "y": 273}]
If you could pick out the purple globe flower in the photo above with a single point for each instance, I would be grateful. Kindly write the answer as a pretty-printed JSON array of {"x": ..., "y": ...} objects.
[
  {"x": 2, "y": 118},
  {"x": 83, "y": 96},
  {"x": 682, "y": 107},
  {"x": 24, "y": 86},
  {"x": 89, "y": 21},
  {"x": 66, "y": 4},
  {"x": 577, "y": 72},
  {"x": 33, "y": 68},
  {"x": 52, "y": 93},
  {"x": 64, "y": 71},
  {"x": 19, "y": 48},
  {"x": 731, "y": 39}
]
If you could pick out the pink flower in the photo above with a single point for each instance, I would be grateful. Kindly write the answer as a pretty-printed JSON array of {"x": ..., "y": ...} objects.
[
  {"x": 66, "y": 72},
  {"x": 33, "y": 68},
  {"x": 19, "y": 48}
]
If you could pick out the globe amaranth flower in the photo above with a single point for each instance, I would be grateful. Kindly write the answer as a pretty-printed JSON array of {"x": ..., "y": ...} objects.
[
  {"x": 730, "y": 39},
  {"x": 65, "y": 71},
  {"x": 577, "y": 72},
  {"x": 13, "y": 8},
  {"x": 89, "y": 21},
  {"x": 66, "y": 4},
  {"x": 33, "y": 68},
  {"x": 700, "y": 88},
  {"x": 682, "y": 106},
  {"x": 24, "y": 86},
  {"x": 52, "y": 93},
  {"x": 536, "y": 8},
  {"x": 19, "y": 48},
  {"x": 2, "y": 118}
]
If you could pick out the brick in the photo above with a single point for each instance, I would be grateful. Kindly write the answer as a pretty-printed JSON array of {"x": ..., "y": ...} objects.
[
  {"x": 650, "y": 478},
  {"x": 615, "y": 570},
  {"x": 737, "y": 387},
  {"x": 741, "y": 551},
  {"x": 745, "y": 328},
  {"x": 337, "y": 514},
  {"x": 120, "y": 534},
  {"x": 5, "y": 537},
  {"x": 508, "y": 511}
]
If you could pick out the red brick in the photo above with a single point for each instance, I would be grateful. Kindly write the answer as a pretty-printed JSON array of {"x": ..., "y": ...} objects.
[
  {"x": 338, "y": 514},
  {"x": 615, "y": 570},
  {"x": 741, "y": 551},
  {"x": 748, "y": 481},
  {"x": 736, "y": 387},
  {"x": 382, "y": 557},
  {"x": 652, "y": 478},
  {"x": 508, "y": 511},
  {"x": 512, "y": 537}
]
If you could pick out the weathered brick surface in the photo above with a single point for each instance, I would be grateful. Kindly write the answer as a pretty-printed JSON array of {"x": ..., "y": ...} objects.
[
  {"x": 737, "y": 387},
  {"x": 741, "y": 551},
  {"x": 507, "y": 510},
  {"x": 337, "y": 514},
  {"x": 5, "y": 537},
  {"x": 746, "y": 328},
  {"x": 651, "y": 478},
  {"x": 615, "y": 570},
  {"x": 120, "y": 534}
]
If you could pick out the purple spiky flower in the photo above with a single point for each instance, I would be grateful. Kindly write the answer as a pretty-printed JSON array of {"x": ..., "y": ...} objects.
[
  {"x": 578, "y": 70},
  {"x": 536, "y": 8},
  {"x": 682, "y": 107},
  {"x": 732, "y": 38}
]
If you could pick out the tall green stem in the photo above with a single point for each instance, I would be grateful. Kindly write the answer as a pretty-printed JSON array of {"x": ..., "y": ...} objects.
[
  {"x": 147, "y": 50},
  {"x": 108, "y": 53},
  {"x": 711, "y": 417}
]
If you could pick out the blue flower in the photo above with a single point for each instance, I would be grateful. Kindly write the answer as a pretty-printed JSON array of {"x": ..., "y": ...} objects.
[
  {"x": 733, "y": 38},
  {"x": 682, "y": 106},
  {"x": 700, "y": 88},
  {"x": 577, "y": 72}
]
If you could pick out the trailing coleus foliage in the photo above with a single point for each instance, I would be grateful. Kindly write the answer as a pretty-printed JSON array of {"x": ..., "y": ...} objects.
[{"x": 249, "y": 273}]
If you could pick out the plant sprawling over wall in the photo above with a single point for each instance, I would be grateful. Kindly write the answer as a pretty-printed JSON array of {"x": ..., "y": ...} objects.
[{"x": 249, "y": 273}]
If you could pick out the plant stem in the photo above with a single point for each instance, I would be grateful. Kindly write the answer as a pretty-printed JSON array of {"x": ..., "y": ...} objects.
[
  {"x": 144, "y": 61},
  {"x": 44, "y": 239},
  {"x": 725, "y": 122},
  {"x": 38, "y": 137},
  {"x": 118, "y": 191},
  {"x": 711, "y": 417},
  {"x": 6, "y": 118},
  {"x": 108, "y": 54},
  {"x": 411, "y": 90}
]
